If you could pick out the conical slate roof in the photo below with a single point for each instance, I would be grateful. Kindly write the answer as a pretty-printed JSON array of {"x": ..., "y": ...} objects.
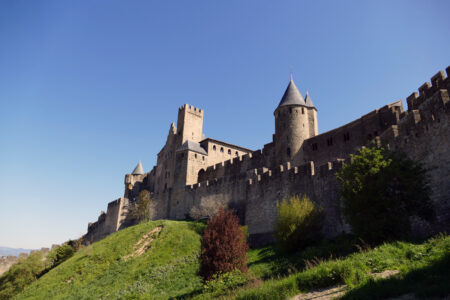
[
  {"x": 138, "y": 170},
  {"x": 292, "y": 95},
  {"x": 308, "y": 100}
]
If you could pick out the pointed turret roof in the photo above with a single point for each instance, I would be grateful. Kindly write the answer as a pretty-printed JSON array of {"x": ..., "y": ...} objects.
[
  {"x": 138, "y": 170},
  {"x": 292, "y": 95},
  {"x": 308, "y": 100}
]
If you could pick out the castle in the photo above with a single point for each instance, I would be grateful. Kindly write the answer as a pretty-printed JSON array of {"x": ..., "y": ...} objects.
[{"x": 195, "y": 174}]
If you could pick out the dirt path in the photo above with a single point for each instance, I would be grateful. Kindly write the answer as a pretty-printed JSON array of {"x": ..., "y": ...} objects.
[
  {"x": 144, "y": 242},
  {"x": 337, "y": 291},
  {"x": 323, "y": 294}
]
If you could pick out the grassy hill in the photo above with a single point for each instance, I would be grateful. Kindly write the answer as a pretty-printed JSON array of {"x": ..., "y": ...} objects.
[
  {"x": 115, "y": 268},
  {"x": 160, "y": 260}
]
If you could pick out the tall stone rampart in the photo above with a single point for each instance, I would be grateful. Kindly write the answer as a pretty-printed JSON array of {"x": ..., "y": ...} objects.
[
  {"x": 253, "y": 183},
  {"x": 424, "y": 135}
]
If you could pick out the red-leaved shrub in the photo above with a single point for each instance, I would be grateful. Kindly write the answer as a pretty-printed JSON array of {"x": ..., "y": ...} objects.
[{"x": 224, "y": 246}]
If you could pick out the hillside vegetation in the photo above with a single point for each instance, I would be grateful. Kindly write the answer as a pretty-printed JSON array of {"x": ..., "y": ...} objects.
[
  {"x": 160, "y": 260},
  {"x": 119, "y": 266}
]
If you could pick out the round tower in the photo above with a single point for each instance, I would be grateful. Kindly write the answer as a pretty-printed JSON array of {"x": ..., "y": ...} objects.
[{"x": 295, "y": 121}]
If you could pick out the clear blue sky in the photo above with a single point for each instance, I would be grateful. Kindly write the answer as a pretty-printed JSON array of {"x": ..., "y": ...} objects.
[{"x": 89, "y": 88}]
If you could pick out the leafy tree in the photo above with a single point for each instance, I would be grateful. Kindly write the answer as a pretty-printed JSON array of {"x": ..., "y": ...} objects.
[
  {"x": 380, "y": 190},
  {"x": 59, "y": 255},
  {"x": 141, "y": 209},
  {"x": 224, "y": 246},
  {"x": 299, "y": 223}
]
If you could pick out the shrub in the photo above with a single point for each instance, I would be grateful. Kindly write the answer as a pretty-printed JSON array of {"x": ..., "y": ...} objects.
[
  {"x": 298, "y": 224},
  {"x": 21, "y": 274},
  {"x": 204, "y": 210},
  {"x": 380, "y": 191},
  {"x": 59, "y": 255},
  {"x": 224, "y": 246}
]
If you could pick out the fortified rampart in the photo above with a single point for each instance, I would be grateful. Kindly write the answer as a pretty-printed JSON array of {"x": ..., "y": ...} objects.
[{"x": 216, "y": 173}]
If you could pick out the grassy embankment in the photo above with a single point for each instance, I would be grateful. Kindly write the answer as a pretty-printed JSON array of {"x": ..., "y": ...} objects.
[{"x": 112, "y": 269}]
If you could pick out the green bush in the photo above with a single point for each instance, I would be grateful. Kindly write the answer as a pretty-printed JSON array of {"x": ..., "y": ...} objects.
[
  {"x": 299, "y": 223},
  {"x": 21, "y": 274},
  {"x": 380, "y": 191},
  {"x": 59, "y": 255}
]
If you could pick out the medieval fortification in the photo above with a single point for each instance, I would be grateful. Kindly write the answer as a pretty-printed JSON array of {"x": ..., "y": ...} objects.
[{"x": 198, "y": 174}]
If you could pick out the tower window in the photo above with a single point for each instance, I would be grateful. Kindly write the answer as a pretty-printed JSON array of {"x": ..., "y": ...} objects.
[
  {"x": 221, "y": 149},
  {"x": 237, "y": 153},
  {"x": 314, "y": 147},
  {"x": 346, "y": 136},
  {"x": 288, "y": 152},
  {"x": 195, "y": 155},
  {"x": 303, "y": 110},
  {"x": 229, "y": 152},
  {"x": 203, "y": 157},
  {"x": 330, "y": 141},
  {"x": 290, "y": 110},
  {"x": 214, "y": 147}
]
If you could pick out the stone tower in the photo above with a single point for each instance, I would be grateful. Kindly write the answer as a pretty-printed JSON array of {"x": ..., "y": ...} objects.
[
  {"x": 133, "y": 182},
  {"x": 295, "y": 121},
  {"x": 190, "y": 123}
]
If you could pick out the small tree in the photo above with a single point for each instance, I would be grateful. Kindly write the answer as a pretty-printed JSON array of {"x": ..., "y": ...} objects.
[
  {"x": 141, "y": 209},
  {"x": 224, "y": 246},
  {"x": 298, "y": 224},
  {"x": 59, "y": 255},
  {"x": 380, "y": 190}
]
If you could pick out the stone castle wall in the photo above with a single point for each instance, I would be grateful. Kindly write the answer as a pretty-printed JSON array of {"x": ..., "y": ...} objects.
[{"x": 252, "y": 183}]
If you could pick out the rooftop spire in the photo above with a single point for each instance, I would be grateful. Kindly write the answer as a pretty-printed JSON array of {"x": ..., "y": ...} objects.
[
  {"x": 308, "y": 100},
  {"x": 138, "y": 170},
  {"x": 292, "y": 95}
]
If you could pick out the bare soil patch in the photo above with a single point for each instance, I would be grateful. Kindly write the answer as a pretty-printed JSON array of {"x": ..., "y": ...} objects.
[{"x": 145, "y": 242}]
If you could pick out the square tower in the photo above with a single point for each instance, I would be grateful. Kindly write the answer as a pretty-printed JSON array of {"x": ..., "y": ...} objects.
[{"x": 190, "y": 123}]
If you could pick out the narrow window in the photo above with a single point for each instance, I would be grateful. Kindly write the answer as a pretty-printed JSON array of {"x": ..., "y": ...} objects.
[
  {"x": 303, "y": 110},
  {"x": 237, "y": 153},
  {"x": 290, "y": 110},
  {"x": 195, "y": 155},
  {"x": 346, "y": 136},
  {"x": 221, "y": 149},
  {"x": 288, "y": 152},
  {"x": 229, "y": 152},
  {"x": 330, "y": 141},
  {"x": 214, "y": 147},
  {"x": 203, "y": 157}
]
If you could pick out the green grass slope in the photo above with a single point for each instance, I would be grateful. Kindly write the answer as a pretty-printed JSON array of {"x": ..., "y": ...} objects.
[
  {"x": 105, "y": 270},
  {"x": 111, "y": 269}
]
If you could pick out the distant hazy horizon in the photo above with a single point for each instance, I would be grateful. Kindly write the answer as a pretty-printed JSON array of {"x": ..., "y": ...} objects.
[{"x": 89, "y": 88}]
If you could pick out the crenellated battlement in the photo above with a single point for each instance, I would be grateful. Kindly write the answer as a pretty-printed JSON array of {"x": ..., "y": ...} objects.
[
  {"x": 191, "y": 109},
  {"x": 426, "y": 90},
  {"x": 419, "y": 122}
]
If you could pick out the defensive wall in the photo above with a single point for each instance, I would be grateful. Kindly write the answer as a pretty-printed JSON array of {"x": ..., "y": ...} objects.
[{"x": 253, "y": 183}]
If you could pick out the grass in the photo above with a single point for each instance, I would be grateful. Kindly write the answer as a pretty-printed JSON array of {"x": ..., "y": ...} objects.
[
  {"x": 169, "y": 270},
  {"x": 423, "y": 271},
  {"x": 102, "y": 271}
]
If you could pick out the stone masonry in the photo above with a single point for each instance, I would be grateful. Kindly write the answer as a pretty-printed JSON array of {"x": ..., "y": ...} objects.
[{"x": 195, "y": 172}]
